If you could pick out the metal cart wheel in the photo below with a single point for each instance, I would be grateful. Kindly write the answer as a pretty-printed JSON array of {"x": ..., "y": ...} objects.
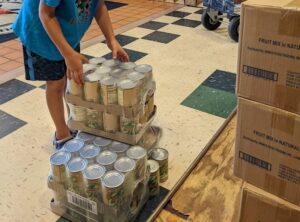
[
  {"x": 210, "y": 19},
  {"x": 234, "y": 28}
]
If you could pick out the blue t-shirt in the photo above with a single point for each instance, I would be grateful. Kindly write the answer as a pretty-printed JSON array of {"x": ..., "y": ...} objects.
[{"x": 74, "y": 17}]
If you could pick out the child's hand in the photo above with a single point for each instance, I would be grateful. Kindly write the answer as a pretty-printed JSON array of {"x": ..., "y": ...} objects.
[
  {"x": 117, "y": 51},
  {"x": 74, "y": 64}
]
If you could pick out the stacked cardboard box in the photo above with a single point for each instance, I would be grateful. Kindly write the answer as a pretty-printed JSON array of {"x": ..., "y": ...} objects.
[{"x": 268, "y": 132}]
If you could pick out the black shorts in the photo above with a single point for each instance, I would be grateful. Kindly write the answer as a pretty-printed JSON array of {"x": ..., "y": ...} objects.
[{"x": 40, "y": 68}]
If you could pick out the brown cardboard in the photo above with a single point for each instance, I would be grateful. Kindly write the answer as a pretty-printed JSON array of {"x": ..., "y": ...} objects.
[
  {"x": 267, "y": 152},
  {"x": 260, "y": 206},
  {"x": 269, "y": 53}
]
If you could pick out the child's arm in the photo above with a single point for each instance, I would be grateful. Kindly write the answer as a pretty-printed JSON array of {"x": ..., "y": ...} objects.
[
  {"x": 74, "y": 60},
  {"x": 104, "y": 23}
]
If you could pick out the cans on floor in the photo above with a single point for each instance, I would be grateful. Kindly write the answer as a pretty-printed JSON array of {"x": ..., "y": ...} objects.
[
  {"x": 118, "y": 148},
  {"x": 90, "y": 152},
  {"x": 101, "y": 142},
  {"x": 85, "y": 137},
  {"x": 75, "y": 167},
  {"x": 73, "y": 146},
  {"x": 162, "y": 157},
  {"x": 154, "y": 178},
  {"x": 107, "y": 159},
  {"x": 138, "y": 154},
  {"x": 58, "y": 162}
]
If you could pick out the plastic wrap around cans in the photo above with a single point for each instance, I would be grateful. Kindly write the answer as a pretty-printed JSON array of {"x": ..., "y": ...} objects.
[
  {"x": 147, "y": 70},
  {"x": 94, "y": 119},
  {"x": 139, "y": 154},
  {"x": 129, "y": 126},
  {"x": 119, "y": 148},
  {"x": 73, "y": 146},
  {"x": 127, "y": 92},
  {"x": 113, "y": 188},
  {"x": 93, "y": 175},
  {"x": 85, "y": 137},
  {"x": 101, "y": 142},
  {"x": 127, "y": 166},
  {"x": 109, "y": 94},
  {"x": 75, "y": 167},
  {"x": 111, "y": 123},
  {"x": 58, "y": 162},
  {"x": 161, "y": 156},
  {"x": 112, "y": 63},
  {"x": 92, "y": 88},
  {"x": 90, "y": 152},
  {"x": 97, "y": 61},
  {"x": 77, "y": 113},
  {"x": 127, "y": 67},
  {"x": 75, "y": 89},
  {"x": 141, "y": 80},
  {"x": 154, "y": 178},
  {"x": 107, "y": 159}
]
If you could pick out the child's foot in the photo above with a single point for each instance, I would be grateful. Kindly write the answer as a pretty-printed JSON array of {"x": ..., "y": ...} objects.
[{"x": 58, "y": 144}]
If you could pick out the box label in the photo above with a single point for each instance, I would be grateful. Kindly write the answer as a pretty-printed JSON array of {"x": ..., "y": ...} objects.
[
  {"x": 260, "y": 73},
  {"x": 255, "y": 161},
  {"x": 82, "y": 202},
  {"x": 289, "y": 174}
]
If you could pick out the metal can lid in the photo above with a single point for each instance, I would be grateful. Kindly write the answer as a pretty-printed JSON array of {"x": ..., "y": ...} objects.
[
  {"x": 108, "y": 81},
  {"x": 126, "y": 84},
  {"x": 97, "y": 60},
  {"x": 128, "y": 65},
  {"x": 94, "y": 171},
  {"x": 102, "y": 142},
  {"x": 136, "y": 76},
  {"x": 111, "y": 63},
  {"x": 93, "y": 77},
  {"x": 154, "y": 166},
  {"x": 124, "y": 164},
  {"x": 159, "y": 154},
  {"x": 60, "y": 158},
  {"x": 136, "y": 152},
  {"x": 103, "y": 70},
  {"x": 88, "y": 67},
  {"x": 89, "y": 151},
  {"x": 73, "y": 145},
  {"x": 118, "y": 147},
  {"x": 143, "y": 68},
  {"x": 77, "y": 164},
  {"x": 117, "y": 73},
  {"x": 106, "y": 157},
  {"x": 85, "y": 137},
  {"x": 113, "y": 179}
]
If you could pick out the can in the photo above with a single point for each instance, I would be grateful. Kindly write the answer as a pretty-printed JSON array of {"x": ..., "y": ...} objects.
[
  {"x": 97, "y": 61},
  {"x": 89, "y": 68},
  {"x": 111, "y": 63},
  {"x": 85, "y": 137},
  {"x": 112, "y": 188},
  {"x": 161, "y": 156},
  {"x": 103, "y": 71},
  {"x": 109, "y": 94},
  {"x": 119, "y": 148},
  {"x": 127, "y": 92},
  {"x": 118, "y": 74},
  {"x": 111, "y": 122},
  {"x": 93, "y": 175},
  {"x": 58, "y": 162},
  {"x": 102, "y": 142},
  {"x": 126, "y": 166},
  {"x": 127, "y": 67},
  {"x": 107, "y": 159},
  {"x": 75, "y": 89},
  {"x": 150, "y": 106},
  {"x": 90, "y": 152},
  {"x": 75, "y": 167},
  {"x": 146, "y": 70},
  {"x": 139, "y": 154},
  {"x": 129, "y": 126},
  {"x": 140, "y": 78},
  {"x": 94, "y": 119},
  {"x": 73, "y": 146},
  {"x": 153, "y": 183},
  {"x": 77, "y": 113},
  {"x": 92, "y": 88}
]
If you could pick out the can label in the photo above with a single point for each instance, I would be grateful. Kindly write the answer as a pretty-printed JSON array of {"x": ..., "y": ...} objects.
[
  {"x": 163, "y": 170},
  {"x": 153, "y": 183},
  {"x": 93, "y": 190},
  {"x": 76, "y": 183},
  {"x": 59, "y": 174},
  {"x": 94, "y": 119},
  {"x": 82, "y": 202},
  {"x": 113, "y": 196},
  {"x": 129, "y": 125},
  {"x": 110, "y": 95},
  {"x": 141, "y": 168}
]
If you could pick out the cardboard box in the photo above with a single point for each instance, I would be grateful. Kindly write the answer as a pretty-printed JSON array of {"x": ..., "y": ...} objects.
[
  {"x": 260, "y": 206},
  {"x": 269, "y": 53},
  {"x": 267, "y": 152}
]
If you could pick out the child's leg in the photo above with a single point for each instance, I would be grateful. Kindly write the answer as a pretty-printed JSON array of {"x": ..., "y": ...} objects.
[{"x": 55, "y": 99}]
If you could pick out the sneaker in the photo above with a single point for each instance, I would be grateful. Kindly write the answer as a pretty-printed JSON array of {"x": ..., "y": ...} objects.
[{"x": 58, "y": 144}]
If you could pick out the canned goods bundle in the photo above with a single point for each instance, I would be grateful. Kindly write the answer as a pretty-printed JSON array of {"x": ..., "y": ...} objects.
[
  {"x": 127, "y": 92},
  {"x": 129, "y": 126},
  {"x": 118, "y": 74},
  {"x": 58, "y": 162},
  {"x": 109, "y": 90},
  {"x": 111, "y": 123},
  {"x": 85, "y": 137},
  {"x": 112, "y": 63},
  {"x": 97, "y": 61},
  {"x": 73, "y": 146},
  {"x": 139, "y": 154},
  {"x": 94, "y": 119},
  {"x": 107, "y": 159},
  {"x": 77, "y": 113},
  {"x": 90, "y": 152},
  {"x": 75, "y": 167},
  {"x": 118, "y": 148},
  {"x": 113, "y": 188},
  {"x": 162, "y": 157},
  {"x": 146, "y": 70},
  {"x": 92, "y": 87},
  {"x": 102, "y": 142},
  {"x": 154, "y": 178},
  {"x": 127, "y": 67}
]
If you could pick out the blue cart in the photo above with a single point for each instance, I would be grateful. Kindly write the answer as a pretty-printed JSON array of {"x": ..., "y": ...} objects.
[{"x": 216, "y": 10}]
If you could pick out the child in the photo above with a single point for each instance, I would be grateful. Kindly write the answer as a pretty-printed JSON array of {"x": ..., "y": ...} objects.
[{"x": 50, "y": 31}]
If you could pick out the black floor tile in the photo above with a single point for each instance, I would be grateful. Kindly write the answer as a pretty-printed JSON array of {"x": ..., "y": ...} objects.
[
  {"x": 12, "y": 89},
  {"x": 187, "y": 23},
  {"x": 162, "y": 37},
  {"x": 9, "y": 124},
  {"x": 43, "y": 86},
  {"x": 113, "y": 5},
  {"x": 221, "y": 80},
  {"x": 124, "y": 39},
  {"x": 178, "y": 14},
  {"x": 199, "y": 11},
  {"x": 133, "y": 55},
  {"x": 153, "y": 25}
]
